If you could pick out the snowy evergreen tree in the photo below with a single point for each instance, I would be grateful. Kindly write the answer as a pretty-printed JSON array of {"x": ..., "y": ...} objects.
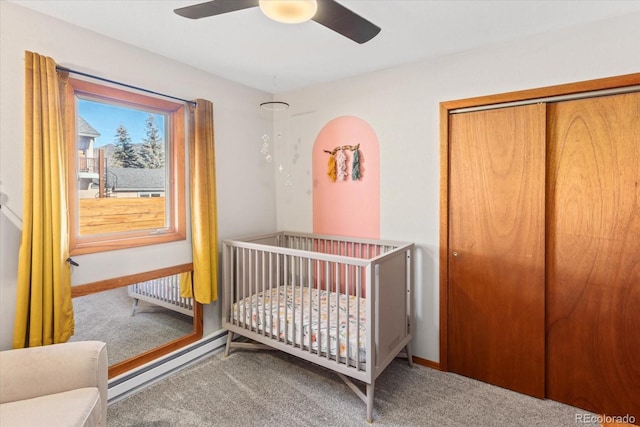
[
  {"x": 152, "y": 151},
  {"x": 125, "y": 154}
]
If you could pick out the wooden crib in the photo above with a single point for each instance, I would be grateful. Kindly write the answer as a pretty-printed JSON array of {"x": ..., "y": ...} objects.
[{"x": 342, "y": 303}]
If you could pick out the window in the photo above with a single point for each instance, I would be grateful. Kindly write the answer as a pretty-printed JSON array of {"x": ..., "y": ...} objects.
[{"x": 126, "y": 168}]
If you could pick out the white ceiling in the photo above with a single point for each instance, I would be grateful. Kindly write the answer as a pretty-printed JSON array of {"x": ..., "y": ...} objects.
[{"x": 247, "y": 47}]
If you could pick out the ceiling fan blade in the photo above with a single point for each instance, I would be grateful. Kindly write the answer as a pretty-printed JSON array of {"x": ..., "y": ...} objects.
[
  {"x": 343, "y": 21},
  {"x": 214, "y": 7}
]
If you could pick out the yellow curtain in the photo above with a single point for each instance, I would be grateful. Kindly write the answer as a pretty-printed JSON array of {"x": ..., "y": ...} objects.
[
  {"x": 186, "y": 284},
  {"x": 204, "y": 233},
  {"x": 44, "y": 312}
]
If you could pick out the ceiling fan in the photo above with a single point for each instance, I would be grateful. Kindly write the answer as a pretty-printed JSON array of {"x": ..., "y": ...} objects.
[{"x": 329, "y": 13}]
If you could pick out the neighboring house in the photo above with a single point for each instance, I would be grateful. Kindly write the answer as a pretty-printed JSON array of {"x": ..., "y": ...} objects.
[
  {"x": 135, "y": 182},
  {"x": 88, "y": 168}
]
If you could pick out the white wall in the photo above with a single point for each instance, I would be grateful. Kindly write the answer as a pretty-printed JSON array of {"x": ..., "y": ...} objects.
[
  {"x": 401, "y": 104},
  {"x": 238, "y": 130}
]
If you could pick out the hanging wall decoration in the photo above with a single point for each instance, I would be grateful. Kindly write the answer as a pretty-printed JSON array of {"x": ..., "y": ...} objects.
[
  {"x": 338, "y": 163},
  {"x": 332, "y": 168},
  {"x": 355, "y": 167},
  {"x": 341, "y": 165}
]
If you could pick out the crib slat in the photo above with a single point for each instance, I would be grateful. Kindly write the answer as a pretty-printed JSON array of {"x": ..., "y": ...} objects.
[
  {"x": 238, "y": 285},
  {"x": 249, "y": 295},
  {"x": 286, "y": 295},
  {"x": 318, "y": 311},
  {"x": 260, "y": 289},
  {"x": 269, "y": 284},
  {"x": 249, "y": 300},
  {"x": 327, "y": 276},
  {"x": 299, "y": 284},
  {"x": 255, "y": 278},
  {"x": 338, "y": 295},
  {"x": 348, "y": 320},
  {"x": 279, "y": 303},
  {"x": 234, "y": 264},
  {"x": 310, "y": 293},
  {"x": 358, "y": 290},
  {"x": 244, "y": 286}
]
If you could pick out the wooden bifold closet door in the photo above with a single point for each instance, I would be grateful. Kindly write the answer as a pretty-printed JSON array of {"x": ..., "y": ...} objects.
[
  {"x": 593, "y": 254},
  {"x": 496, "y": 247}
]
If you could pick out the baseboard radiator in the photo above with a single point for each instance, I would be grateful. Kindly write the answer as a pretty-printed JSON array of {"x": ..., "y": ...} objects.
[{"x": 142, "y": 377}]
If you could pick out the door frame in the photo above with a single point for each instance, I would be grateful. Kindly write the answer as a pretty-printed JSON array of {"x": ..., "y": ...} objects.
[{"x": 492, "y": 101}]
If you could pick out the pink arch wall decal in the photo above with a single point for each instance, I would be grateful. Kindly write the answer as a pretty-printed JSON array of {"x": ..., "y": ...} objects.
[{"x": 347, "y": 208}]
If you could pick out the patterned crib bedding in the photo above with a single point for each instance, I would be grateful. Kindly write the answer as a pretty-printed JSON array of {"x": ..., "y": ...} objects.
[{"x": 263, "y": 312}]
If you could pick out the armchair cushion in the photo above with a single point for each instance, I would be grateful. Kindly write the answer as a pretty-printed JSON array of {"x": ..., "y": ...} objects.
[
  {"x": 81, "y": 407},
  {"x": 60, "y": 384}
]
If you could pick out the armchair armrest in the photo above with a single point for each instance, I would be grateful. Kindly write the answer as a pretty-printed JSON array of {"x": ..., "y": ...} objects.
[{"x": 38, "y": 371}]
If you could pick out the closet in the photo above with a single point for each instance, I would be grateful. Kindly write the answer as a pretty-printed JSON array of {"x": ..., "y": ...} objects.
[{"x": 540, "y": 238}]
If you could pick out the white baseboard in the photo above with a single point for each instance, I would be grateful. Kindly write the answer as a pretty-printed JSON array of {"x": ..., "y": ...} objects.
[{"x": 135, "y": 380}]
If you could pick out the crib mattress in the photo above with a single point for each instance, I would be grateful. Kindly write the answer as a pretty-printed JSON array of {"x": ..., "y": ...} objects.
[{"x": 309, "y": 315}]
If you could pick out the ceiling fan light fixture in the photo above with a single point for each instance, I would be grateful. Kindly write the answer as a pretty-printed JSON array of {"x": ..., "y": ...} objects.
[{"x": 289, "y": 11}]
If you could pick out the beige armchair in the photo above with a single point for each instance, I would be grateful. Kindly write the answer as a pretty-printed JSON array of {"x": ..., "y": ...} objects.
[{"x": 60, "y": 384}]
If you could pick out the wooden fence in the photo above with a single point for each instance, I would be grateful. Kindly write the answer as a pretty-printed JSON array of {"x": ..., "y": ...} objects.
[{"x": 112, "y": 215}]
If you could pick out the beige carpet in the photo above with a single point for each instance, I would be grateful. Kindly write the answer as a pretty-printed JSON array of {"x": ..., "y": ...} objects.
[
  {"x": 106, "y": 316},
  {"x": 267, "y": 388}
]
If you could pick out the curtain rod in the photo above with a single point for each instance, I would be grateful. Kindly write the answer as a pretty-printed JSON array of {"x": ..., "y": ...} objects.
[{"x": 80, "y": 73}]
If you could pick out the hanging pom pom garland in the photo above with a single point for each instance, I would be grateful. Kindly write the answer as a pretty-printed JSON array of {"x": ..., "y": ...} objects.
[
  {"x": 332, "y": 168},
  {"x": 341, "y": 160},
  {"x": 338, "y": 163},
  {"x": 355, "y": 167}
]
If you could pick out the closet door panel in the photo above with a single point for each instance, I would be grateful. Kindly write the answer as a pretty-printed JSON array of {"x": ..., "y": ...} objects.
[
  {"x": 593, "y": 254},
  {"x": 496, "y": 241}
]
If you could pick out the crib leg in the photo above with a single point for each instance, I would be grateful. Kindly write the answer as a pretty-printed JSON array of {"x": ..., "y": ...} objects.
[
  {"x": 134, "y": 306},
  {"x": 229, "y": 339},
  {"x": 370, "y": 403},
  {"x": 409, "y": 353}
]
